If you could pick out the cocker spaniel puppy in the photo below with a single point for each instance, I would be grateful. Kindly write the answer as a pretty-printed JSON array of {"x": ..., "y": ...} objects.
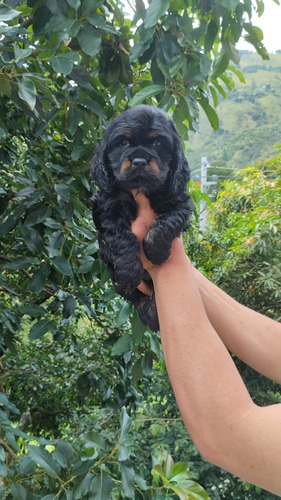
[{"x": 141, "y": 149}]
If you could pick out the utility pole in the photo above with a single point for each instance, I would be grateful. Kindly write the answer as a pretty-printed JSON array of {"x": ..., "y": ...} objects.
[
  {"x": 204, "y": 185},
  {"x": 204, "y": 166}
]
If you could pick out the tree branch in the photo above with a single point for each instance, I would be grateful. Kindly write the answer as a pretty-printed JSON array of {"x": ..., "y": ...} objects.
[{"x": 8, "y": 449}]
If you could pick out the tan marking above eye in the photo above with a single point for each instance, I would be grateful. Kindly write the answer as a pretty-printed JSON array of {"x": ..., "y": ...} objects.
[
  {"x": 128, "y": 134},
  {"x": 153, "y": 134}
]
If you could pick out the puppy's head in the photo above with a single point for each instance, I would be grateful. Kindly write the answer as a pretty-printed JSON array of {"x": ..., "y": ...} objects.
[{"x": 141, "y": 149}]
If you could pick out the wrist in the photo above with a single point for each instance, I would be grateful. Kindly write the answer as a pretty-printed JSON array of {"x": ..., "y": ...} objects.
[{"x": 176, "y": 262}]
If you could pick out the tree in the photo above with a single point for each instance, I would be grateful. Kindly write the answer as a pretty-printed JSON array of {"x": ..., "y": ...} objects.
[
  {"x": 66, "y": 67},
  {"x": 243, "y": 237}
]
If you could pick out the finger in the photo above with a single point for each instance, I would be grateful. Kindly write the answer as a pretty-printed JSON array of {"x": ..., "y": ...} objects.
[{"x": 145, "y": 288}]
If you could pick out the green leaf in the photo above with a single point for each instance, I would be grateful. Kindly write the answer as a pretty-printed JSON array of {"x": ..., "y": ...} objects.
[
  {"x": 62, "y": 265},
  {"x": 87, "y": 264},
  {"x": 32, "y": 310},
  {"x": 220, "y": 64},
  {"x": 21, "y": 263},
  {"x": 38, "y": 281},
  {"x": 137, "y": 371},
  {"x": 81, "y": 76},
  {"x": 81, "y": 490},
  {"x": 219, "y": 88},
  {"x": 144, "y": 93},
  {"x": 138, "y": 329},
  {"x": 73, "y": 119},
  {"x": 69, "y": 306},
  {"x": 195, "y": 491},
  {"x": 123, "y": 314},
  {"x": 237, "y": 72},
  {"x": 210, "y": 112},
  {"x": 95, "y": 107},
  {"x": 147, "y": 363},
  {"x": 102, "y": 486},
  {"x": 37, "y": 215},
  {"x": 5, "y": 86},
  {"x": 32, "y": 239},
  {"x": 80, "y": 468},
  {"x": 90, "y": 40},
  {"x": 63, "y": 192},
  {"x": 122, "y": 345},
  {"x": 167, "y": 102},
  {"x": 125, "y": 422},
  {"x": 3, "y": 469},
  {"x": 18, "y": 492},
  {"x": 27, "y": 91},
  {"x": 229, "y": 4},
  {"x": 8, "y": 225},
  {"x": 214, "y": 95},
  {"x": 5, "y": 402},
  {"x": 64, "y": 63},
  {"x": 231, "y": 51},
  {"x": 44, "y": 459},
  {"x": 65, "y": 27},
  {"x": 63, "y": 454},
  {"x": 155, "y": 10},
  {"x": 41, "y": 327},
  {"x": 7, "y": 14},
  {"x": 21, "y": 54},
  {"x": 211, "y": 35},
  {"x": 74, "y": 3},
  {"x": 89, "y": 6},
  {"x": 141, "y": 482},
  {"x": 128, "y": 477}
]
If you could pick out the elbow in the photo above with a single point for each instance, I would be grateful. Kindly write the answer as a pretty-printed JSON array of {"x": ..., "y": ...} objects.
[
  {"x": 214, "y": 446},
  {"x": 210, "y": 452}
]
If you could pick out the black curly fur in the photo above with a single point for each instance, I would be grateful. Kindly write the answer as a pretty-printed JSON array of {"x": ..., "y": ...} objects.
[{"x": 141, "y": 149}]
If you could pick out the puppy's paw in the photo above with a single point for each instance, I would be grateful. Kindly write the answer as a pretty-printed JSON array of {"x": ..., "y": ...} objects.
[
  {"x": 147, "y": 311},
  {"x": 157, "y": 250}
]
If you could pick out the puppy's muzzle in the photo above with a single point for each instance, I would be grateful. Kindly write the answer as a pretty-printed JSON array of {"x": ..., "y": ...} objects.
[{"x": 139, "y": 163}]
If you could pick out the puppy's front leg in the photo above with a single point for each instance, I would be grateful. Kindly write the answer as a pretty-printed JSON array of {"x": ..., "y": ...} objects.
[
  {"x": 119, "y": 247},
  {"x": 163, "y": 230},
  {"x": 127, "y": 267}
]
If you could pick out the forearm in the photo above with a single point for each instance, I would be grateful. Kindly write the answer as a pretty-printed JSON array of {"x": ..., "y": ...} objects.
[
  {"x": 254, "y": 338},
  {"x": 226, "y": 426},
  {"x": 207, "y": 386}
]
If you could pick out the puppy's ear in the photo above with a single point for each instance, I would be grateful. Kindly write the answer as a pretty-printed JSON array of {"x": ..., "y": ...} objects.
[
  {"x": 180, "y": 172},
  {"x": 101, "y": 171}
]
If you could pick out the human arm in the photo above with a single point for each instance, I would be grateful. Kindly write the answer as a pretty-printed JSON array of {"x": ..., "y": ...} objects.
[
  {"x": 253, "y": 337},
  {"x": 226, "y": 426}
]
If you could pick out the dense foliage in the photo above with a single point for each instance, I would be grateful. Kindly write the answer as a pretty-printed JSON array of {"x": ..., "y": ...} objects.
[
  {"x": 244, "y": 235},
  {"x": 80, "y": 371}
]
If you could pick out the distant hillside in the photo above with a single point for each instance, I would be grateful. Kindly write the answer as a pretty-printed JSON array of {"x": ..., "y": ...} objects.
[{"x": 250, "y": 118}]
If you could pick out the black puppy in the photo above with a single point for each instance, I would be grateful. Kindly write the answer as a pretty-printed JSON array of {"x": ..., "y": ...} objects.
[{"x": 141, "y": 149}]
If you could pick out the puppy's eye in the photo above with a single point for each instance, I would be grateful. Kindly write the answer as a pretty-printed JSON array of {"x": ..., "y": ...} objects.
[
  {"x": 125, "y": 143},
  {"x": 157, "y": 142}
]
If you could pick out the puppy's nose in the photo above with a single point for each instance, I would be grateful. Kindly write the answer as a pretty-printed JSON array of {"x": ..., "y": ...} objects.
[{"x": 139, "y": 162}]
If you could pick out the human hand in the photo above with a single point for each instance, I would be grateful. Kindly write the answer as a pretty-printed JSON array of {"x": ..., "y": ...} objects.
[{"x": 140, "y": 227}]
